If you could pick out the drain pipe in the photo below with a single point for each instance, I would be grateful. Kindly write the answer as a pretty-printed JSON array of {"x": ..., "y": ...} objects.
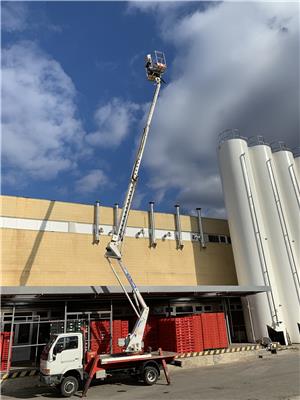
[
  {"x": 203, "y": 245},
  {"x": 152, "y": 225},
  {"x": 250, "y": 318}
]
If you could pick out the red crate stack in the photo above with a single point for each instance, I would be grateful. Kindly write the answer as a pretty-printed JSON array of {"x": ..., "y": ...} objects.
[
  {"x": 4, "y": 350},
  {"x": 120, "y": 330},
  {"x": 100, "y": 336},
  {"x": 214, "y": 331},
  {"x": 198, "y": 334},
  {"x": 178, "y": 334},
  {"x": 210, "y": 331},
  {"x": 223, "y": 339},
  {"x": 151, "y": 334},
  {"x": 166, "y": 339}
]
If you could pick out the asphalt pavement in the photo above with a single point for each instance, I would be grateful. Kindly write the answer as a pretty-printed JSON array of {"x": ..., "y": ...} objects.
[{"x": 271, "y": 377}]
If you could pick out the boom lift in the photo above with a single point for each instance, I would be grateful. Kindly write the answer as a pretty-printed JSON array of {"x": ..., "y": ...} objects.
[
  {"x": 66, "y": 362},
  {"x": 134, "y": 342}
]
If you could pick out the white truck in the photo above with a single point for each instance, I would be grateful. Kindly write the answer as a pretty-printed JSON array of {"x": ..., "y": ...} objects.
[
  {"x": 67, "y": 365},
  {"x": 66, "y": 362}
]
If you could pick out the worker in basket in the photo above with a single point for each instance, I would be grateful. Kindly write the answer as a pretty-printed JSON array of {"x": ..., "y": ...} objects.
[{"x": 153, "y": 70}]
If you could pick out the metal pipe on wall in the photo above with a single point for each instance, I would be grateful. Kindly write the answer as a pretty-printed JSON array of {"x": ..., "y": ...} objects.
[
  {"x": 227, "y": 320},
  {"x": 11, "y": 339},
  {"x": 152, "y": 225},
  {"x": 111, "y": 327},
  {"x": 202, "y": 240},
  {"x": 96, "y": 222},
  {"x": 116, "y": 216},
  {"x": 65, "y": 317},
  {"x": 178, "y": 228},
  {"x": 37, "y": 342}
]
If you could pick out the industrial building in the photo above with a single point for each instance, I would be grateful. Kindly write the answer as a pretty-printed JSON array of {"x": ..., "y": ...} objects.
[{"x": 54, "y": 270}]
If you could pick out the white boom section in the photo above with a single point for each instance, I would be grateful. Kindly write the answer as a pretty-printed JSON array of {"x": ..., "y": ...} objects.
[
  {"x": 114, "y": 247},
  {"x": 134, "y": 341}
]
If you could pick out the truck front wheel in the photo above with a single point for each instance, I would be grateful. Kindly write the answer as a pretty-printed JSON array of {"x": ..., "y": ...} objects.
[
  {"x": 69, "y": 386},
  {"x": 150, "y": 375}
]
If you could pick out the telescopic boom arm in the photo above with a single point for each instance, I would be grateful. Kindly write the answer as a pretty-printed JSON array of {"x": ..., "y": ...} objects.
[
  {"x": 114, "y": 247},
  {"x": 134, "y": 341}
]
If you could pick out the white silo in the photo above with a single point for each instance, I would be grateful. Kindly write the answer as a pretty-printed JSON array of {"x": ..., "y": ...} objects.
[
  {"x": 277, "y": 235},
  {"x": 289, "y": 188},
  {"x": 251, "y": 254},
  {"x": 297, "y": 163}
]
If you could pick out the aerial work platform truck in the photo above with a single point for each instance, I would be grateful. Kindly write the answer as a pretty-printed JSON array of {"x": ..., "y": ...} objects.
[{"x": 66, "y": 361}]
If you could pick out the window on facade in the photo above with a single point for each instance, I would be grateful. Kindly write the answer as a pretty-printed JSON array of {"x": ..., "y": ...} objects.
[
  {"x": 199, "y": 308},
  {"x": 228, "y": 239},
  {"x": 169, "y": 309},
  {"x": 56, "y": 314},
  {"x": 213, "y": 238},
  {"x": 43, "y": 314},
  {"x": 207, "y": 308},
  {"x": 222, "y": 239},
  {"x": 24, "y": 333},
  {"x": 185, "y": 309}
]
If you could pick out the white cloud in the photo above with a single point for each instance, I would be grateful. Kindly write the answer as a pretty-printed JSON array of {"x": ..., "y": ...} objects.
[
  {"x": 113, "y": 121},
  {"x": 155, "y": 6},
  {"x": 93, "y": 180},
  {"x": 14, "y": 16},
  {"x": 236, "y": 65},
  {"x": 41, "y": 134}
]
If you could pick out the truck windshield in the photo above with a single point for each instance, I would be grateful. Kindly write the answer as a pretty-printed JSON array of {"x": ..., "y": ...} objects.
[{"x": 45, "y": 352}]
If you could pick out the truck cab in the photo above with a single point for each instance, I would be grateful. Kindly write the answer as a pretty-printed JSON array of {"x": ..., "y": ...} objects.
[{"x": 62, "y": 362}]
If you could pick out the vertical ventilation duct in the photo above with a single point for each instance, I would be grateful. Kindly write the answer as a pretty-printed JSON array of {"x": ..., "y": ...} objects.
[
  {"x": 152, "y": 225},
  {"x": 200, "y": 227},
  {"x": 96, "y": 222},
  {"x": 180, "y": 244},
  {"x": 116, "y": 217}
]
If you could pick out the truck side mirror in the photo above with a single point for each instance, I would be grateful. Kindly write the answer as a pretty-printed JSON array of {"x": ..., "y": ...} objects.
[{"x": 58, "y": 349}]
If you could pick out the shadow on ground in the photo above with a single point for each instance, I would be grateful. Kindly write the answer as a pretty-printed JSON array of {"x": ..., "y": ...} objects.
[{"x": 27, "y": 388}]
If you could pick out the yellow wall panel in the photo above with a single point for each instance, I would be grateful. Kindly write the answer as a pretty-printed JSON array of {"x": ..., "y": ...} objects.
[
  {"x": 22, "y": 207},
  {"x": 65, "y": 259},
  {"x": 38, "y": 258}
]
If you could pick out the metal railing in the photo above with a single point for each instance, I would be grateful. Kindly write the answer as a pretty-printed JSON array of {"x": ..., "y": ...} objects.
[{"x": 228, "y": 134}]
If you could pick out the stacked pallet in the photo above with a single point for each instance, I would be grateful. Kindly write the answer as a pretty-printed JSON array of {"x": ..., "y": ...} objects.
[
  {"x": 177, "y": 334},
  {"x": 187, "y": 334},
  {"x": 151, "y": 333},
  {"x": 214, "y": 332},
  {"x": 223, "y": 339},
  {"x": 120, "y": 330},
  {"x": 198, "y": 332},
  {"x": 4, "y": 350},
  {"x": 210, "y": 331},
  {"x": 101, "y": 334}
]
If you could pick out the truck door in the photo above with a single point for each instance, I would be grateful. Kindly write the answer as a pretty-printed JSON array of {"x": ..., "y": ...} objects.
[{"x": 68, "y": 352}]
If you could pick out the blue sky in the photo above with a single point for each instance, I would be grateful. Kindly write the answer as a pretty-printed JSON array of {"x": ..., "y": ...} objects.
[{"x": 75, "y": 95}]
